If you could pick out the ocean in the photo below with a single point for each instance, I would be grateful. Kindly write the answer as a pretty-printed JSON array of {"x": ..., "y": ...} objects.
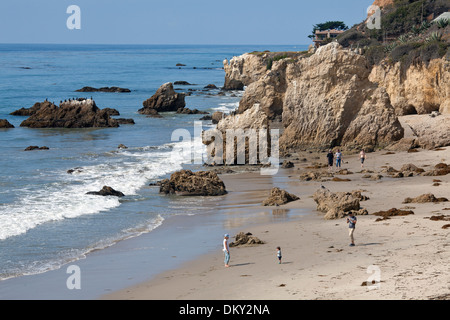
[{"x": 46, "y": 218}]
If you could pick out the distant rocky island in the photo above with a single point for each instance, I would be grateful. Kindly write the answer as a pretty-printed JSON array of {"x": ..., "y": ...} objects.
[{"x": 103, "y": 89}]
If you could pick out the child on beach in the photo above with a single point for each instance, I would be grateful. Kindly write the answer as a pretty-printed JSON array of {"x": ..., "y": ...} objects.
[{"x": 279, "y": 254}]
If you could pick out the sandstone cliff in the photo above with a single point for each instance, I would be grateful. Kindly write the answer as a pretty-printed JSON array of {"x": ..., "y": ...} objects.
[
  {"x": 325, "y": 100},
  {"x": 243, "y": 70},
  {"x": 421, "y": 89}
]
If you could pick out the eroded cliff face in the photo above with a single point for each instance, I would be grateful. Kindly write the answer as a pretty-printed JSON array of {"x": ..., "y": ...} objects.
[
  {"x": 421, "y": 88},
  {"x": 329, "y": 101},
  {"x": 242, "y": 70},
  {"x": 325, "y": 100}
]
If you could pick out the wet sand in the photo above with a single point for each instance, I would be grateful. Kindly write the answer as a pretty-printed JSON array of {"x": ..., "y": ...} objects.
[{"x": 405, "y": 257}]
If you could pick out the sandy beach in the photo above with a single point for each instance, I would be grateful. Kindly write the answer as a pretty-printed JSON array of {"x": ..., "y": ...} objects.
[{"x": 404, "y": 257}]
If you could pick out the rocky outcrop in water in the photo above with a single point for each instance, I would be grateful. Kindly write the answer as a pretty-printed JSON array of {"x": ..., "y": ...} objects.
[
  {"x": 30, "y": 111},
  {"x": 106, "y": 191},
  {"x": 165, "y": 99},
  {"x": 80, "y": 113},
  {"x": 104, "y": 89},
  {"x": 4, "y": 124},
  {"x": 188, "y": 183}
]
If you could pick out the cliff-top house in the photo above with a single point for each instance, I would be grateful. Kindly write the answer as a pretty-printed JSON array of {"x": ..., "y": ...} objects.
[{"x": 323, "y": 37}]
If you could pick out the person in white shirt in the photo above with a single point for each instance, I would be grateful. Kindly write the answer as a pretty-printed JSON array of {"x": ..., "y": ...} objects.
[{"x": 226, "y": 250}]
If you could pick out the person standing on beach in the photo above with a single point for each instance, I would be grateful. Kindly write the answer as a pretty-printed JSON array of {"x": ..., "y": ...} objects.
[
  {"x": 338, "y": 158},
  {"x": 330, "y": 157},
  {"x": 279, "y": 254},
  {"x": 351, "y": 220},
  {"x": 362, "y": 156},
  {"x": 226, "y": 250}
]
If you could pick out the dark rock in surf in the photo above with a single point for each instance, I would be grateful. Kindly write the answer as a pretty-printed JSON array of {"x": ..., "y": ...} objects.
[
  {"x": 165, "y": 99},
  {"x": 4, "y": 124},
  {"x": 106, "y": 191},
  {"x": 104, "y": 89}
]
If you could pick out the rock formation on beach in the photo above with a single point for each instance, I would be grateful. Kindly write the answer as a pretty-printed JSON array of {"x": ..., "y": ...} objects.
[
  {"x": 188, "y": 183},
  {"x": 165, "y": 99},
  {"x": 279, "y": 197},
  {"x": 245, "y": 239},
  {"x": 246, "y": 131},
  {"x": 336, "y": 205},
  {"x": 325, "y": 100},
  {"x": 80, "y": 113}
]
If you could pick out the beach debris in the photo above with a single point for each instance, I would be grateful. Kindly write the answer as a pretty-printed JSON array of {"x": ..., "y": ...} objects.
[
  {"x": 337, "y": 205},
  {"x": 106, "y": 191},
  {"x": 5, "y": 124},
  {"x": 279, "y": 197},
  {"x": 30, "y": 148},
  {"x": 188, "y": 183},
  {"x": 245, "y": 239},
  {"x": 429, "y": 197},
  {"x": 385, "y": 215}
]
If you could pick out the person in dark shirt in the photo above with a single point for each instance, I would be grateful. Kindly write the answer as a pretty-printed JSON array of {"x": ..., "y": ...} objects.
[{"x": 330, "y": 157}]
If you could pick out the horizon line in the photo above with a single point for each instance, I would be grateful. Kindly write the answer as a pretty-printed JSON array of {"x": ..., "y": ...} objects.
[{"x": 148, "y": 44}]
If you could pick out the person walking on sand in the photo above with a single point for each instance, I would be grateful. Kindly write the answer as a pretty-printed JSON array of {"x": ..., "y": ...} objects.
[
  {"x": 338, "y": 158},
  {"x": 351, "y": 220},
  {"x": 279, "y": 254},
  {"x": 226, "y": 250},
  {"x": 362, "y": 156},
  {"x": 330, "y": 157}
]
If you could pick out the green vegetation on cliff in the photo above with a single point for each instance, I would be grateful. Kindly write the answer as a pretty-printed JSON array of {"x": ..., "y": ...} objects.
[{"x": 407, "y": 33}]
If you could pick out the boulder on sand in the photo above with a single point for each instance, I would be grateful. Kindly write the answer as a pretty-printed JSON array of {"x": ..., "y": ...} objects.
[
  {"x": 188, "y": 183},
  {"x": 425, "y": 198},
  {"x": 165, "y": 99},
  {"x": 336, "y": 205},
  {"x": 243, "y": 239},
  {"x": 279, "y": 197}
]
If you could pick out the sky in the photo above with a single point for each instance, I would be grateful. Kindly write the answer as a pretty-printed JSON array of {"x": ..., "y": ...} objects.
[{"x": 276, "y": 22}]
